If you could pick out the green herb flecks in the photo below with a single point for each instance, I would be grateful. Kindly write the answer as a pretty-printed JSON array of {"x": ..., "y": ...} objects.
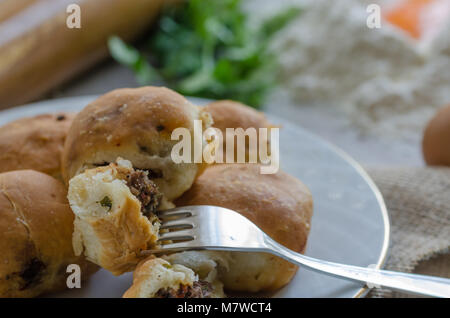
[
  {"x": 106, "y": 203},
  {"x": 168, "y": 266},
  {"x": 207, "y": 49}
]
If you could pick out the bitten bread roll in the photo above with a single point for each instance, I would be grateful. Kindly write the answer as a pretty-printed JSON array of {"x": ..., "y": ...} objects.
[
  {"x": 36, "y": 226},
  {"x": 279, "y": 204},
  {"x": 135, "y": 124},
  {"x": 157, "y": 278},
  {"x": 114, "y": 215},
  {"x": 230, "y": 114},
  {"x": 34, "y": 143}
]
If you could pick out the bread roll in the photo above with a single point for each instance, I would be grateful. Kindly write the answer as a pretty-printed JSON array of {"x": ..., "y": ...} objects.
[
  {"x": 36, "y": 226},
  {"x": 279, "y": 204},
  {"x": 230, "y": 114},
  {"x": 135, "y": 124},
  {"x": 34, "y": 143},
  {"x": 114, "y": 215},
  {"x": 436, "y": 140},
  {"x": 157, "y": 278}
]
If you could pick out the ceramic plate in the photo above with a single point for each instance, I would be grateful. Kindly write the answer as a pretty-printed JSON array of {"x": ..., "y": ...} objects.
[{"x": 350, "y": 223}]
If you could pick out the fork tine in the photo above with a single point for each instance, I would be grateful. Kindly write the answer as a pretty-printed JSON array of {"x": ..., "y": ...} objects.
[
  {"x": 176, "y": 223},
  {"x": 178, "y": 209},
  {"x": 177, "y": 245},
  {"x": 170, "y": 247},
  {"x": 178, "y": 235},
  {"x": 205, "y": 227},
  {"x": 174, "y": 215},
  {"x": 174, "y": 212},
  {"x": 175, "y": 226}
]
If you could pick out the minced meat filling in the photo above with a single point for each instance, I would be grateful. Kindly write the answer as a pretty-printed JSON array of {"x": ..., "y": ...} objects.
[
  {"x": 200, "y": 289},
  {"x": 144, "y": 190}
]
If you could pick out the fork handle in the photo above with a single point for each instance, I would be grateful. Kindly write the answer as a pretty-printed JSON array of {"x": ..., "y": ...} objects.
[{"x": 411, "y": 283}]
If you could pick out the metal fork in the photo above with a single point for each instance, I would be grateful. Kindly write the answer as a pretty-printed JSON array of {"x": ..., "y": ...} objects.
[{"x": 205, "y": 227}]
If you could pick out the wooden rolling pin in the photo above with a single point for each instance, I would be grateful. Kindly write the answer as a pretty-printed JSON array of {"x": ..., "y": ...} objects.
[{"x": 38, "y": 51}]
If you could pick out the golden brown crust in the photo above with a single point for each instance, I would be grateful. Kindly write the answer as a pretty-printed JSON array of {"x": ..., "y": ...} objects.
[
  {"x": 34, "y": 143},
  {"x": 231, "y": 114},
  {"x": 36, "y": 225},
  {"x": 279, "y": 204},
  {"x": 120, "y": 252},
  {"x": 436, "y": 140},
  {"x": 135, "y": 124}
]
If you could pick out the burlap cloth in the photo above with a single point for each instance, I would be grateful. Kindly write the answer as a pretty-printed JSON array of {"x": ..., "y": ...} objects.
[{"x": 418, "y": 201}]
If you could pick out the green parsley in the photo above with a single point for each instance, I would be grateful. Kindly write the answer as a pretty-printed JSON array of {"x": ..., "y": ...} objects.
[{"x": 207, "y": 49}]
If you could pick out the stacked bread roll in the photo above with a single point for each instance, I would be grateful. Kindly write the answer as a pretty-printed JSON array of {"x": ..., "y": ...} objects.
[{"x": 36, "y": 222}]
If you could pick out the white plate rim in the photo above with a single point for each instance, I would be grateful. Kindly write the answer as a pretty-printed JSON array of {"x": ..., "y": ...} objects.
[
  {"x": 379, "y": 197},
  {"x": 384, "y": 211}
]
